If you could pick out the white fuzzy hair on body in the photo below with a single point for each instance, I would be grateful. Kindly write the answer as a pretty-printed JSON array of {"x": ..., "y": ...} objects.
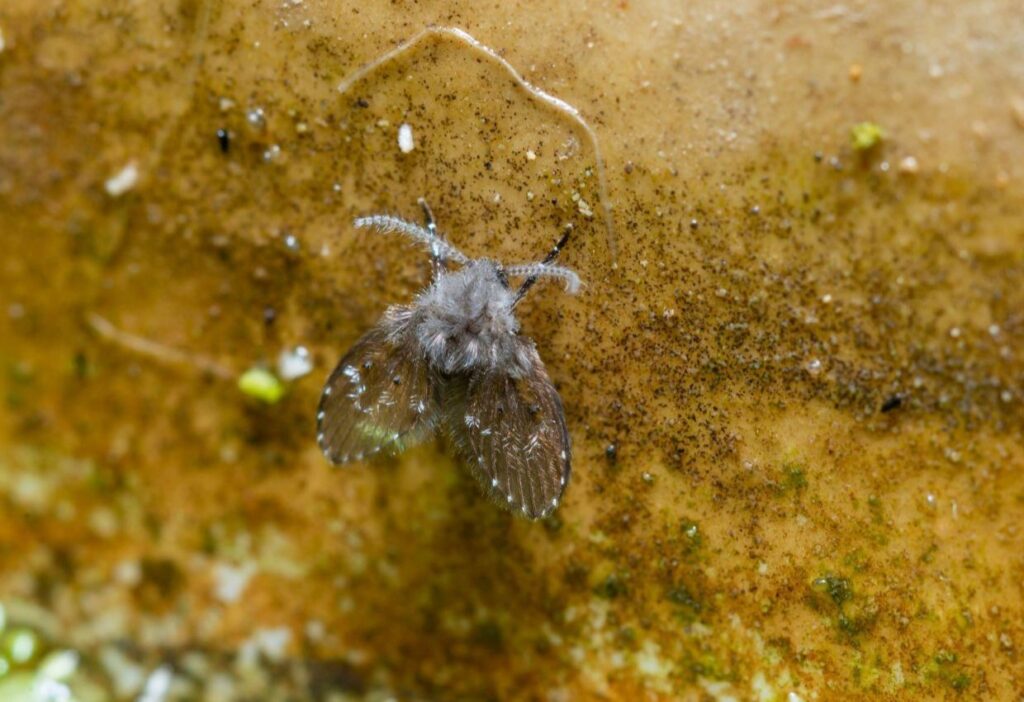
[{"x": 464, "y": 322}]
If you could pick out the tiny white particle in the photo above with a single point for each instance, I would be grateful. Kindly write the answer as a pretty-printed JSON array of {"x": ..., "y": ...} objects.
[
  {"x": 405, "y": 139},
  {"x": 510, "y": 499},
  {"x": 320, "y": 437},
  {"x": 230, "y": 581},
  {"x": 494, "y": 482},
  {"x": 157, "y": 685},
  {"x": 3, "y": 44},
  {"x": 294, "y": 363},
  {"x": 561, "y": 481},
  {"x": 320, "y": 415},
  {"x": 327, "y": 391},
  {"x": 123, "y": 181},
  {"x": 256, "y": 118},
  {"x": 554, "y": 502},
  {"x": 562, "y": 455}
]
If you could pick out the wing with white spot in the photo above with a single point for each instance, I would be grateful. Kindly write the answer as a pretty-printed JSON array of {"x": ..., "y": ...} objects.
[
  {"x": 380, "y": 398},
  {"x": 512, "y": 433}
]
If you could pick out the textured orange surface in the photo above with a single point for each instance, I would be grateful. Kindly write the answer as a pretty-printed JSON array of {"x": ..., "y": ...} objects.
[{"x": 744, "y": 522}]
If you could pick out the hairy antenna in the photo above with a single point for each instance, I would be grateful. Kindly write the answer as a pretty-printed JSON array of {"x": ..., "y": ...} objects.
[
  {"x": 439, "y": 248},
  {"x": 546, "y": 270},
  {"x": 550, "y": 100}
]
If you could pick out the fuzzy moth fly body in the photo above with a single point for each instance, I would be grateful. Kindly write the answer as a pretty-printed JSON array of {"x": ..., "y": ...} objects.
[{"x": 454, "y": 359}]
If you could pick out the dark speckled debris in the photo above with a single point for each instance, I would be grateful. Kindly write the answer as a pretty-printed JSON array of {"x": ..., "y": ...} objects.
[
  {"x": 224, "y": 139},
  {"x": 892, "y": 403}
]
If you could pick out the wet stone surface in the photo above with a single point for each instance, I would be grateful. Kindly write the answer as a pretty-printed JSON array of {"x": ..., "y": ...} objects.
[{"x": 794, "y": 391}]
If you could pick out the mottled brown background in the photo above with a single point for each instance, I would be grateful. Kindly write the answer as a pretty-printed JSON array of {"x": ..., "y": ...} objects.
[{"x": 743, "y": 521}]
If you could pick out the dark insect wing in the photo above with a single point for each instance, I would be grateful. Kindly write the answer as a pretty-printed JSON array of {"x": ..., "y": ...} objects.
[
  {"x": 512, "y": 433},
  {"x": 380, "y": 397}
]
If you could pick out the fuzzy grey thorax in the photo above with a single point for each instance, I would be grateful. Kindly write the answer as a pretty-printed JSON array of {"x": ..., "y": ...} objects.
[{"x": 464, "y": 322}]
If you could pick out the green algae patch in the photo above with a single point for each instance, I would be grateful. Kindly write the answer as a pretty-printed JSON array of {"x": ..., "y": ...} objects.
[
  {"x": 853, "y": 616},
  {"x": 692, "y": 538},
  {"x": 260, "y": 384},
  {"x": 945, "y": 668},
  {"x": 865, "y": 136},
  {"x": 687, "y": 606},
  {"x": 611, "y": 587},
  {"x": 836, "y": 588},
  {"x": 794, "y": 477}
]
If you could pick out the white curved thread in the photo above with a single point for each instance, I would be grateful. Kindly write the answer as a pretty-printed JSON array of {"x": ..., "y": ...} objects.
[
  {"x": 546, "y": 270},
  {"x": 438, "y": 246},
  {"x": 557, "y": 103}
]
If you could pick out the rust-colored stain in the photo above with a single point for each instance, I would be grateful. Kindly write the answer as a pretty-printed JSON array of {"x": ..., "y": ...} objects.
[{"x": 795, "y": 392}]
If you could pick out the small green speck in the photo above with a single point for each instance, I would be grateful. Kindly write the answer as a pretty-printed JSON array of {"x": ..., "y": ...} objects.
[
  {"x": 489, "y": 634},
  {"x": 688, "y": 605},
  {"x": 20, "y": 645},
  {"x": 945, "y": 668},
  {"x": 692, "y": 533},
  {"x": 960, "y": 681},
  {"x": 796, "y": 478},
  {"x": 611, "y": 587},
  {"x": 839, "y": 589},
  {"x": 866, "y": 135},
  {"x": 857, "y": 560},
  {"x": 261, "y": 384},
  {"x": 626, "y": 636}
]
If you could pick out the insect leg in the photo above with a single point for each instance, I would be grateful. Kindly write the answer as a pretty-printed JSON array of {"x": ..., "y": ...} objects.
[
  {"x": 436, "y": 254},
  {"x": 552, "y": 255}
]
